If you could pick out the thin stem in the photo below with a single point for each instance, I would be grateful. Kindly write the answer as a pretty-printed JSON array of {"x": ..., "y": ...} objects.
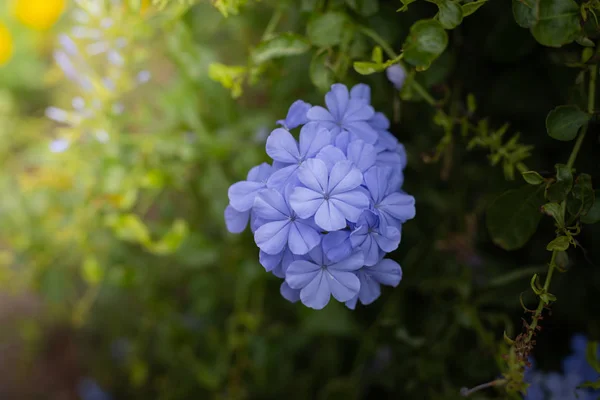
[
  {"x": 467, "y": 392},
  {"x": 272, "y": 23},
  {"x": 590, "y": 110},
  {"x": 540, "y": 308}
]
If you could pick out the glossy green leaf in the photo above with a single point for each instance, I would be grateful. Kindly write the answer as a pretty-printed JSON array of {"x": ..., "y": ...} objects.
[
  {"x": 524, "y": 12},
  {"x": 558, "y": 190},
  {"x": 326, "y": 30},
  {"x": 532, "y": 177},
  {"x": 367, "y": 68},
  {"x": 514, "y": 216},
  {"x": 282, "y": 45},
  {"x": 582, "y": 196},
  {"x": 560, "y": 243},
  {"x": 555, "y": 211},
  {"x": 320, "y": 74},
  {"x": 450, "y": 14},
  {"x": 557, "y": 22},
  {"x": 564, "y": 122},
  {"x": 470, "y": 8},
  {"x": 593, "y": 214},
  {"x": 426, "y": 40}
]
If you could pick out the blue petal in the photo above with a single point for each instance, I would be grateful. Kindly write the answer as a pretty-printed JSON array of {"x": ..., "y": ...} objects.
[
  {"x": 272, "y": 236},
  {"x": 271, "y": 206},
  {"x": 351, "y": 204},
  {"x": 235, "y": 220},
  {"x": 314, "y": 175},
  {"x": 351, "y": 304},
  {"x": 370, "y": 290},
  {"x": 361, "y": 130},
  {"x": 368, "y": 219},
  {"x": 387, "y": 141},
  {"x": 342, "y": 285},
  {"x": 331, "y": 155},
  {"x": 296, "y": 115},
  {"x": 281, "y": 146},
  {"x": 387, "y": 272},
  {"x": 318, "y": 113},
  {"x": 344, "y": 176},
  {"x": 270, "y": 261},
  {"x": 300, "y": 273},
  {"x": 316, "y": 293},
  {"x": 260, "y": 173},
  {"x": 400, "y": 206},
  {"x": 388, "y": 238},
  {"x": 370, "y": 250},
  {"x": 397, "y": 75},
  {"x": 291, "y": 295},
  {"x": 337, "y": 245},
  {"x": 337, "y": 100},
  {"x": 305, "y": 202},
  {"x": 362, "y": 154},
  {"x": 313, "y": 137},
  {"x": 376, "y": 181},
  {"x": 357, "y": 111},
  {"x": 342, "y": 140},
  {"x": 242, "y": 194},
  {"x": 303, "y": 238},
  {"x": 379, "y": 122},
  {"x": 361, "y": 92},
  {"x": 282, "y": 177},
  {"x": 329, "y": 217},
  {"x": 352, "y": 263}
]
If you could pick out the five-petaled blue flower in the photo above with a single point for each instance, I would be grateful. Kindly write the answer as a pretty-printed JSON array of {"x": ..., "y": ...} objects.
[{"x": 330, "y": 207}]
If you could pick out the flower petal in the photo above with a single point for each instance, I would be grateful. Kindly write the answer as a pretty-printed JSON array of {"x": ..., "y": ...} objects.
[
  {"x": 235, "y": 220},
  {"x": 388, "y": 238},
  {"x": 242, "y": 194},
  {"x": 361, "y": 130},
  {"x": 328, "y": 217},
  {"x": 399, "y": 205},
  {"x": 283, "y": 177},
  {"x": 313, "y": 174},
  {"x": 260, "y": 173},
  {"x": 303, "y": 238},
  {"x": 270, "y": 205},
  {"x": 343, "y": 285},
  {"x": 281, "y": 146},
  {"x": 379, "y": 122},
  {"x": 272, "y": 236},
  {"x": 352, "y": 263},
  {"x": 331, "y": 155},
  {"x": 370, "y": 290},
  {"x": 351, "y": 204},
  {"x": 318, "y": 113},
  {"x": 376, "y": 181},
  {"x": 296, "y": 115},
  {"x": 370, "y": 250},
  {"x": 337, "y": 100},
  {"x": 387, "y": 141},
  {"x": 387, "y": 272},
  {"x": 362, "y": 154},
  {"x": 300, "y": 273},
  {"x": 270, "y": 261},
  {"x": 361, "y": 92},
  {"x": 358, "y": 110},
  {"x": 291, "y": 295},
  {"x": 305, "y": 202},
  {"x": 337, "y": 245},
  {"x": 313, "y": 137},
  {"x": 317, "y": 293},
  {"x": 351, "y": 304},
  {"x": 344, "y": 176}
]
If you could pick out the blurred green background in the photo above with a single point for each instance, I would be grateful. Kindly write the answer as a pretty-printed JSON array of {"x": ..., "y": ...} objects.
[{"x": 118, "y": 278}]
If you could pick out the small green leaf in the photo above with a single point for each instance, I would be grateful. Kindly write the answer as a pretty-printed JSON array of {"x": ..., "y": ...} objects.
[
  {"x": 547, "y": 297},
  {"x": 321, "y": 74},
  {"x": 564, "y": 122},
  {"x": 593, "y": 214},
  {"x": 282, "y": 45},
  {"x": 377, "y": 55},
  {"x": 450, "y": 14},
  {"x": 533, "y": 178},
  {"x": 405, "y": 4},
  {"x": 508, "y": 340},
  {"x": 535, "y": 285},
  {"x": 470, "y": 8},
  {"x": 91, "y": 272},
  {"x": 555, "y": 211},
  {"x": 471, "y": 103},
  {"x": 366, "y": 8},
  {"x": 582, "y": 196},
  {"x": 514, "y": 216},
  {"x": 557, "y": 22},
  {"x": 591, "y": 385},
  {"x": 426, "y": 40},
  {"x": 560, "y": 243},
  {"x": 367, "y": 68},
  {"x": 129, "y": 227},
  {"x": 562, "y": 260},
  {"x": 524, "y": 12},
  {"x": 326, "y": 30},
  {"x": 558, "y": 190},
  {"x": 591, "y": 354}
]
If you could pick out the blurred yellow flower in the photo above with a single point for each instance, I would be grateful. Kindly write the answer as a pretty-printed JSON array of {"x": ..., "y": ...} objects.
[
  {"x": 6, "y": 44},
  {"x": 39, "y": 14}
]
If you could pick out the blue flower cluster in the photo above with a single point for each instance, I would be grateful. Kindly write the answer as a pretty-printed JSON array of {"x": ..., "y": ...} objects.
[
  {"x": 557, "y": 386},
  {"x": 330, "y": 207}
]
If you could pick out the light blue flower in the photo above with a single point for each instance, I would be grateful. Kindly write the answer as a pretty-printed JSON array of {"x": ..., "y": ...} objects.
[
  {"x": 372, "y": 239},
  {"x": 296, "y": 115},
  {"x": 385, "y": 272},
  {"x": 396, "y": 74},
  {"x": 242, "y": 194},
  {"x": 331, "y": 197},
  {"x": 392, "y": 206},
  {"x": 345, "y": 114},
  {"x": 318, "y": 278}
]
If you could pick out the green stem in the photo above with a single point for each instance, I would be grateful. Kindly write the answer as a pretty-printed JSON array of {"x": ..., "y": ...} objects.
[
  {"x": 272, "y": 23},
  {"x": 540, "y": 308},
  {"x": 392, "y": 54},
  {"x": 590, "y": 110}
]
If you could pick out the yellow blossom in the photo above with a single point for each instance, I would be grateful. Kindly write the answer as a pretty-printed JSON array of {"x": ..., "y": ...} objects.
[
  {"x": 39, "y": 14},
  {"x": 6, "y": 44}
]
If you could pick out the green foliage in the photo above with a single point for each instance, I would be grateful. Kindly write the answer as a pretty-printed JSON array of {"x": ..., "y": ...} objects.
[
  {"x": 327, "y": 29},
  {"x": 426, "y": 40},
  {"x": 552, "y": 23},
  {"x": 564, "y": 122},
  {"x": 281, "y": 45}
]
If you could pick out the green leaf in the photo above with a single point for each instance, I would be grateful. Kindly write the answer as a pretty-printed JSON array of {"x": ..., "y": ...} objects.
[
  {"x": 524, "y": 12},
  {"x": 557, "y": 22},
  {"x": 282, "y": 45},
  {"x": 426, "y": 40},
  {"x": 129, "y": 227},
  {"x": 514, "y": 216},
  {"x": 405, "y": 4},
  {"x": 558, "y": 190},
  {"x": 320, "y": 74},
  {"x": 564, "y": 122},
  {"x": 450, "y": 14},
  {"x": 562, "y": 260},
  {"x": 591, "y": 354},
  {"x": 230, "y": 77},
  {"x": 367, "y": 68},
  {"x": 560, "y": 243},
  {"x": 171, "y": 241},
  {"x": 555, "y": 211},
  {"x": 593, "y": 214},
  {"x": 326, "y": 30},
  {"x": 582, "y": 196},
  {"x": 366, "y": 8},
  {"x": 91, "y": 272},
  {"x": 470, "y": 8},
  {"x": 532, "y": 177}
]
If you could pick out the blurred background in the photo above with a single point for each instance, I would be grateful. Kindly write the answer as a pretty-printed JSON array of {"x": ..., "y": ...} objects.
[{"x": 121, "y": 128}]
